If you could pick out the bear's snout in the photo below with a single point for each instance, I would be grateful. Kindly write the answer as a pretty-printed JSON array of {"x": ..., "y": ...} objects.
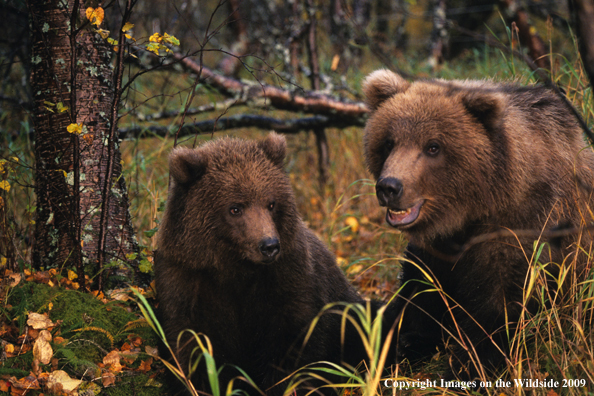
[
  {"x": 269, "y": 247},
  {"x": 388, "y": 191}
]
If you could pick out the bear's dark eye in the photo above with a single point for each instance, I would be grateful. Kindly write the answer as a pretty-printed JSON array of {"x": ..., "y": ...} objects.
[
  {"x": 235, "y": 210},
  {"x": 433, "y": 149},
  {"x": 387, "y": 147},
  {"x": 271, "y": 206}
]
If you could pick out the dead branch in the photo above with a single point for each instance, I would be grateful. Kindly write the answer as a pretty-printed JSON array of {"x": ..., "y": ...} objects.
[
  {"x": 221, "y": 106},
  {"x": 242, "y": 121},
  {"x": 279, "y": 98}
]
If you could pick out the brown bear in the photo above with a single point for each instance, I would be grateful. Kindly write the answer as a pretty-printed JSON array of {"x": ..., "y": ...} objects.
[
  {"x": 473, "y": 173},
  {"x": 236, "y": 263}
]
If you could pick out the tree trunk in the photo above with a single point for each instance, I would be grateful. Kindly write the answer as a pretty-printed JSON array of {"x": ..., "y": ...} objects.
[{"x": 71, "y": 70}]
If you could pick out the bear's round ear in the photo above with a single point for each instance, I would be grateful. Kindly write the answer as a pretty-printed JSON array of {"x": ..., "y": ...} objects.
[
  {"x": 486, "y": 107},
  {"x": 275, "y": 148},
  {"x": 187, "y": 165},
  {"x": 381, "y": 85}
]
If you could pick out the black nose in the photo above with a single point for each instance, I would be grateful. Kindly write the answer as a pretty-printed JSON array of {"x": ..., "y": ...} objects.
[
  {"x": 388, "y": 191},
  {"x": 269, "y": 247}
]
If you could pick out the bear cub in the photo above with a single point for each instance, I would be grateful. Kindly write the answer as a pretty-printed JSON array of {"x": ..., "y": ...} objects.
[
  {"x": 237, "y": 264},
  {"x": 473, "y": 173}
]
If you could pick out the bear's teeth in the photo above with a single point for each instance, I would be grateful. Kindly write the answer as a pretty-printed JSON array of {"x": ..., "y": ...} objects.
[{"x": 400, "y": 212}]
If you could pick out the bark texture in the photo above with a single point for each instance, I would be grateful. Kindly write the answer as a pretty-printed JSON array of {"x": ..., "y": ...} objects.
[{"x": 72, "y": 67}]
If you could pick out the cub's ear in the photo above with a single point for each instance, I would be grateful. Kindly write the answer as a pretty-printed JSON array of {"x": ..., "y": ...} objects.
[
  {"x": 381, "y": 85},
  {"x": 487, "y": 107},
  {"x": 275, "y": 148},
  {"x": 187, "y": 165}
]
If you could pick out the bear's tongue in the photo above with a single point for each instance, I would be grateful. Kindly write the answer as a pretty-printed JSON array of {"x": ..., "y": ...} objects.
[{"x": 403, "y": 217}]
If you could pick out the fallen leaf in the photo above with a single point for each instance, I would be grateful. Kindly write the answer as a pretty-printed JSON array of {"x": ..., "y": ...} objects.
[
  {"x": 135, "y": 340},
  {"x": 39, "y": 321},
  {"x": 112, "y": 359},
  {"x": 29, "y": 382},
  {"x": 89, "y": 388},
  {"x": 35, "y": 367},
  {"x": 108, "y": 379},
  {"x": 353, "y": 223},
  {"x": 32, "y": 333},
  {"x": 152, "y": 351},
  {"x": 145, "y": 365},
  {"x": 14, "y": 279},
  {"x": 60, "y": 379},
  {"x": 42, "y": 350},
  {"x": 9, "y": 348},
  {"x": 120, "y": 294}
]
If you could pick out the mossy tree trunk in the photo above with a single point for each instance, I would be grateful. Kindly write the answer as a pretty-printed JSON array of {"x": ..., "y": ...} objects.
[{"x": 78, "y": 175}]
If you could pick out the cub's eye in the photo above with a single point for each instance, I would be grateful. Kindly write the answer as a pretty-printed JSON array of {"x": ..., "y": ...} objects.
[
  {"x": 389, "y": 144},
  {"x": 433, "y": 149},
  {"x": 271, "y": 205},
  {"x": 235, "y": 210}
]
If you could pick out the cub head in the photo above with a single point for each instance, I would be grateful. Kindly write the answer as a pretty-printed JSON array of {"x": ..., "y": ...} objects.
[
  {"x": 229, "y": 201},
  {"x": 435, "y": 149}
]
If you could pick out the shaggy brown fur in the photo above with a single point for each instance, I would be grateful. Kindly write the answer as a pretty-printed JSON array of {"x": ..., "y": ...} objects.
[
  {"x": 458, "y": 162},
  {"x": 236, "y": 263}
]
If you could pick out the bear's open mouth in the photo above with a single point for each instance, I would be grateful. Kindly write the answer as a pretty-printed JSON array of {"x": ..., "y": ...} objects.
[{"x": 399, "y": 218}]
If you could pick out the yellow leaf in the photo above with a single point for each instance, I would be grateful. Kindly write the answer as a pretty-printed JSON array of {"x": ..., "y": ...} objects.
[
  {"x": 127, "y": 36},
  {"x": 15, "y": 159},
  {"x": 75, "y": 128},
  {"x": 153, "y": 47},
  {"x": 156, "y": 38},
  {"x": 127, "y": 26},
  {"x": 170, "y": 39},
  {"x": 3, "y": 261},
  {"x": 95, "y": 15},
  {"x": 103, "y": 33},
  {"x": 50, "y": 306},
  {"x": 61, "y": 108},
  {"x": 355, "y": 269},
  {"x": 72, "y": 275},
  {"x": 335, "y": 61},
  {"x": 353, "y": 223},
  {"x": 5, "y": 185}
]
